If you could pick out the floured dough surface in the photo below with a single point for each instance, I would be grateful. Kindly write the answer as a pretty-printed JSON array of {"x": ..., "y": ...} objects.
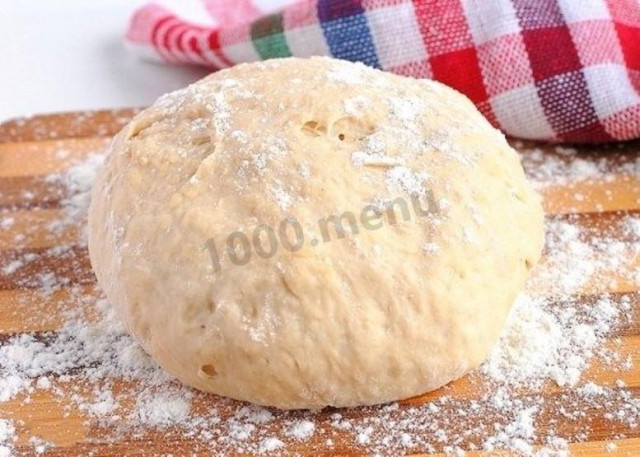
[{"x": 377, "y": 315}]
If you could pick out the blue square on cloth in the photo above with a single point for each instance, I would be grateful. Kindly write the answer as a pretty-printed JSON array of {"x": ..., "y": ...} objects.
[{"x": 349, "y": 38}]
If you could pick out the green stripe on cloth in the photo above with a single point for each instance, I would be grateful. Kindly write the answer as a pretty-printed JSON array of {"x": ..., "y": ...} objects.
[{"x": 268, "y": 37}]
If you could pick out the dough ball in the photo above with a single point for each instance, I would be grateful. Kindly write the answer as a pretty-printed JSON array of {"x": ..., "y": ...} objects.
[{"x": 222, "y": 229}]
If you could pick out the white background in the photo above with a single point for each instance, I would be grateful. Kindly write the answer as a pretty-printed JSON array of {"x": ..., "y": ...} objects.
[{"x": 65, "y": 55}]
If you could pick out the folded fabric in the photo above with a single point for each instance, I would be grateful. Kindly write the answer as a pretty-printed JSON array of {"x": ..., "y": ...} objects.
[{"x": 560, "y": 70}]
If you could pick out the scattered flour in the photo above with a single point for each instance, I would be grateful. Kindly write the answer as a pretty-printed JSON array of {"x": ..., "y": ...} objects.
[
  {"x": 552, "y": 338},
  {"x": 7, "y": 222},
  {"x": 354, "y": 106},
  {"x": 402, "y": 178},
  {"x": 346, "y": 75},
  {"x": 270, "y": 445},
  {"x": 161, "y": 409},
  {"x": 547, "y": 340},
  {"x": 281, "y": 196},
  {"x": 302, "y": 430},
  {"x": 7, "y": 434},
  {"x": 564, "y": 165},
  {"x": 405, "y": 109},
  {"x": 77, "y": 180}
]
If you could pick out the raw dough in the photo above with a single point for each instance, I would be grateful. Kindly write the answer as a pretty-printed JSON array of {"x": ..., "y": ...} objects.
[{"x": 378, "y": 315}]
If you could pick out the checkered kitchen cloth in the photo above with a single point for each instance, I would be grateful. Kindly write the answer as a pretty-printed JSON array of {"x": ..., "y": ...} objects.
[{"x": 561, "y": 70}]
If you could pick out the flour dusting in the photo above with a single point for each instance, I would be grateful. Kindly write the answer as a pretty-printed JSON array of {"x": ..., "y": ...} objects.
[{"x": 554, "y": 337}]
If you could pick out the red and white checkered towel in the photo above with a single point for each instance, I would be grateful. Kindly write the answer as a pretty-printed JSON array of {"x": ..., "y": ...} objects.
[{"x": 562, "y": 70}]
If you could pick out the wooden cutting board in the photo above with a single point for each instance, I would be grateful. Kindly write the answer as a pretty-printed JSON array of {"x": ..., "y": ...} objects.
[{"x": 28, "y": 151}]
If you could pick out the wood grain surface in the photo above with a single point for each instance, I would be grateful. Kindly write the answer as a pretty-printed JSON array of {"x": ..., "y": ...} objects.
[{"x": 29, "y": 150}]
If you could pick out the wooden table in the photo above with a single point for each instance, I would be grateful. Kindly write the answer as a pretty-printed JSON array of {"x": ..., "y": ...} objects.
[{"x": 28, "y": 152}]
